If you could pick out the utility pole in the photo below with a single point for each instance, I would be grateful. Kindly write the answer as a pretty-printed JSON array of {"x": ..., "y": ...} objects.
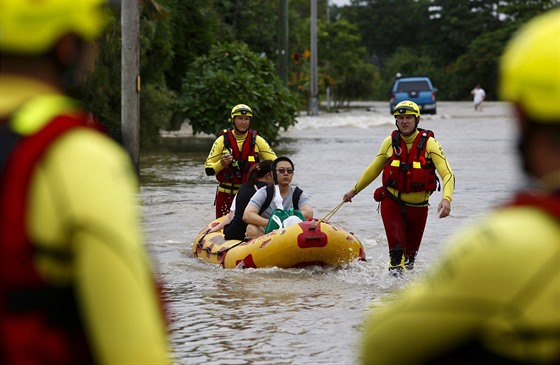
[
  {"x": 130, "y": 79},
  {"x": 313, "y": 92},
  {"x": 328, "y": 64},
  {"x": 282, "y": 51}
]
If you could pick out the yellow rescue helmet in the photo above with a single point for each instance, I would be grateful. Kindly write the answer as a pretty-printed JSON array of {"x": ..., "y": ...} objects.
[
  {"x": 407, "y": 107},
  {"x": 33, "y": 27},
  {"x": 530, "y": 69},
  {"x": 241, "y": 109}
]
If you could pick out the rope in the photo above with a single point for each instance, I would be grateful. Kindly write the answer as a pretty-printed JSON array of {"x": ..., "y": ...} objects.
[{"x": 331, "y": 213}]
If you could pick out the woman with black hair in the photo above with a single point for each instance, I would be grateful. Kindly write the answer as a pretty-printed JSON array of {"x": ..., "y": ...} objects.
[{"x": 233, "y": 225}]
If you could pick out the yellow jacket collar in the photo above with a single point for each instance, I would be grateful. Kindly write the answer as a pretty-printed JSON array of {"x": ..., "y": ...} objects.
[
  {"x": 16, "y": 91},
  {"x": 30, "y": 103},
  {"x": 411, "y": 138}
]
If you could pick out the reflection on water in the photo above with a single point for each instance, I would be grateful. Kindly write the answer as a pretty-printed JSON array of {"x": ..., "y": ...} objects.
[{"x": 314, "y": 315}]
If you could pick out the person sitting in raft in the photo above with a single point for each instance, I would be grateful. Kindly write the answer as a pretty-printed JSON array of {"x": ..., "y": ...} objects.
[
  {"x": 233, "y": 225},
  {"x": 259, "y": 209}
]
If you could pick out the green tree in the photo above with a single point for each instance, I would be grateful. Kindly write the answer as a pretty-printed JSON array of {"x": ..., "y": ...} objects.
[
  {"x": 342, "y": 65},
  {"x": 359, "y": 82},
  {"x": 157, "y": 100},
  {"x": 520, "y": 11},
  {"x": 478, "y": 65},
  {"x": 456, "y": 45},
  {"x": 454, "y": 25},
  {"x": 231, "y": 74},
  {"x": 195, "y": 26},
  {"x": 253, "y": 22},
  {"x": 385, "y": 25},
  {"x": 102, "y": 90},
  {"x": 409, "y": 62}
]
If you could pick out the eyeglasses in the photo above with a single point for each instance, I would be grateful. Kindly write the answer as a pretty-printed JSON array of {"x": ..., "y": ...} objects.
[{"x": 285, "y": 171}]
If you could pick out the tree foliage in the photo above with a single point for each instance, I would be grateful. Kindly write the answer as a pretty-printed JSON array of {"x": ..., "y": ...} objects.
[
  {"x": 229, "y": 75},
  {"x": 360, "y": 49},
  {"x": 479, "y": 65},
  {"x": 195, "y": 26},
  {"x": 342, "y": 63},
  {"x": 457, "y": 44},
  {"x": 102, "y": 91},
  {"x": 409, "y": 62}
]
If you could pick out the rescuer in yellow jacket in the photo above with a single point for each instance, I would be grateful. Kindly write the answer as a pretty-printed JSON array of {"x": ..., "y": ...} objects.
[
  {"x": 408, "y": 160},
  {"x": 77, "y": 285},
  {"x": 232, "y": 155},
  {"x": 495, "y": 297}
]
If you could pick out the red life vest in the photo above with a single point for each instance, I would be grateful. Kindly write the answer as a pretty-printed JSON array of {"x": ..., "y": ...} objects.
[
  {"x": 238, "y": 171},
  {"x": 39, "y": 323},
  {"x": 410, "y": 171},
  {"x": 549, "y": 203}
]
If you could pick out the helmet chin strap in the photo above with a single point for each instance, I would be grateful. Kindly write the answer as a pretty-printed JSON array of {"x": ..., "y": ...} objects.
[{"x": 235, "y": 127}]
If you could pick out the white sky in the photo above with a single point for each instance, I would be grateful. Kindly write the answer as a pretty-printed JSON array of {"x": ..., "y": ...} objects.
[{"x": 339, "y": 2}]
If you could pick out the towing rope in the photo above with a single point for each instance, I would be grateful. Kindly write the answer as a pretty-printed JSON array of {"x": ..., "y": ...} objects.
[{"x": 329, "y": 215}]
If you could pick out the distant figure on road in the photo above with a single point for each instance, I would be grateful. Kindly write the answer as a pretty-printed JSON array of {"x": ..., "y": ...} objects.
[{"x": 479, "y": 95}]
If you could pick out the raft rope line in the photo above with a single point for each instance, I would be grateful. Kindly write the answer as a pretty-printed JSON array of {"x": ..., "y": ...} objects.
[
  {"x": 329, "y": 215},
  {"x": 208, "y": 250}
]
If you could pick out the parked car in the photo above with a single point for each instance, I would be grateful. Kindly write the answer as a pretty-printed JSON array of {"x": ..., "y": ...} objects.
[{"x": 417, "y": 89}]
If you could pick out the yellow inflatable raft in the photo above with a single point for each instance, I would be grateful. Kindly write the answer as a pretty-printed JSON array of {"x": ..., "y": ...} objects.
[{"x": 308, "y": 243}]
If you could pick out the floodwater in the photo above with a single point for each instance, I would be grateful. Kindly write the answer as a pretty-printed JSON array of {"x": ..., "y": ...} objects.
[{"x": 314, "y": 315}]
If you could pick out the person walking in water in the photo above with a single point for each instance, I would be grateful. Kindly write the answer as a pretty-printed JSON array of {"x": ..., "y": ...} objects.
[
  {"x": 494, "y": 297},
  {"x": 479, "y": 95},
  {"x": 408, "y": 158},
  {"x": 76, "y": 282},
  {"x": 232, "y": 155}
]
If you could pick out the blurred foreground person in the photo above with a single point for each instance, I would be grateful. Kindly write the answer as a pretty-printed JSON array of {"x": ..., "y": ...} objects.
[
  {"x": 495, "y": 298},
  {"x": 76, "y": 283}
]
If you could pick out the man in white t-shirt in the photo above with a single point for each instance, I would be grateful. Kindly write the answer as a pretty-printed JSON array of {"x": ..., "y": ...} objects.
[{"x": 478, "y": 97}]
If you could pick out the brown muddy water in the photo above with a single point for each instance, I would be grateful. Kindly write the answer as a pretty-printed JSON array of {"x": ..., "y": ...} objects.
[{"x": 314, "y": 315}]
